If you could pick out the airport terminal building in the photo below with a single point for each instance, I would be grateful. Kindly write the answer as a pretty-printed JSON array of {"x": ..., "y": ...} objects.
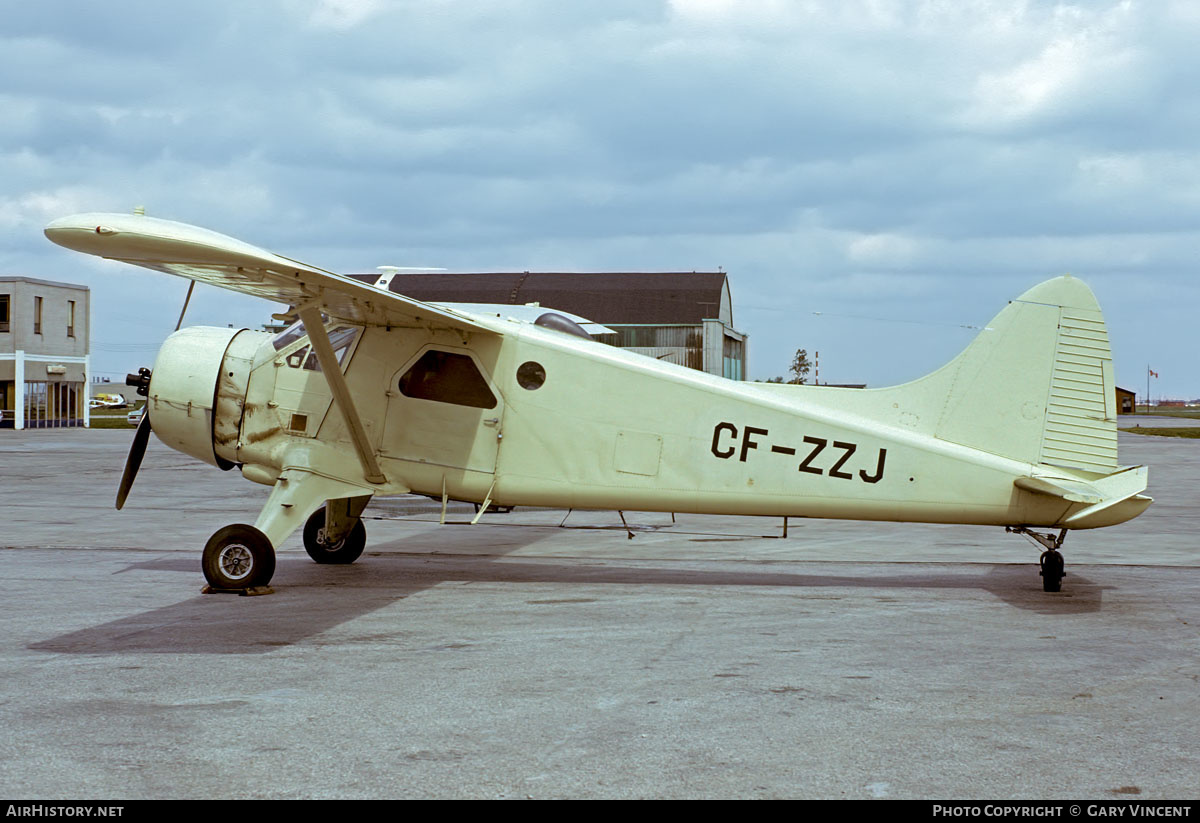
[{"x": 44, "y": 353}]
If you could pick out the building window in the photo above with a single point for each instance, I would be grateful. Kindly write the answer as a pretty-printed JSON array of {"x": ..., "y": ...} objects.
[
  {"x": 735, "y": 359},
  {"x": 37, "y": 315},
  {"x": 70, "y": 318},
  {"x": 3, "y": 312}
]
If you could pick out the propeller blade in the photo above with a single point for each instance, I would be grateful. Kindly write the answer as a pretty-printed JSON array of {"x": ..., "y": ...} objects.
[
  {"x": 142, "y": 436},
  {"x": 138, "y": 450}
]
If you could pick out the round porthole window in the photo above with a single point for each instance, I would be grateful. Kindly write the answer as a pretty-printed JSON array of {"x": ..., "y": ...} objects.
[{"x": 531, "y": 375}]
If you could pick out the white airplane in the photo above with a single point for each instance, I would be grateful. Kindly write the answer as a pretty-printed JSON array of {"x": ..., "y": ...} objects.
[
  {"x": 108, "y": 401},
  {"x": 371, "y": 392}
]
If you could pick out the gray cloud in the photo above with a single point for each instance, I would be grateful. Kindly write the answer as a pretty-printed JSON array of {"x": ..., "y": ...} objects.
[{"x": 922, "y": 161}]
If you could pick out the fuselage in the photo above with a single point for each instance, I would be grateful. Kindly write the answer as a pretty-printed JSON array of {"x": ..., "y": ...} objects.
[{"x": 532, "y": 416}]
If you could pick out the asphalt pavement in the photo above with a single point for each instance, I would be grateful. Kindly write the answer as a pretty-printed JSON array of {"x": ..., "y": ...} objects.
[{"x": 547, "y": 654}]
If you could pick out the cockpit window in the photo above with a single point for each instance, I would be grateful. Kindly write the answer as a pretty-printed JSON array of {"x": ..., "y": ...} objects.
[
  {"x": 288, "y": 336},
  {"x": 292, "y": 333},
  {"x": 340, "y": 337},
  {"x": 296, "y": 358},
  {"x": 447, "y": 378}
]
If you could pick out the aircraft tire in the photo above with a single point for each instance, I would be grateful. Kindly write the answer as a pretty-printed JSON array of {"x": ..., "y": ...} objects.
[
  {"x": 1052, "y": 571},
  {"x": 347, "y": 551},
  {"x": 238, "y": 557}
]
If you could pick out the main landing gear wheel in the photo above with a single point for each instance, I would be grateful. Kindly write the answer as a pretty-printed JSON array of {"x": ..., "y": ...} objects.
[
  {"x": 238, "y": 557},
  {"x": 346, "y": 550},
  {"x": 1052, "y": 570}
]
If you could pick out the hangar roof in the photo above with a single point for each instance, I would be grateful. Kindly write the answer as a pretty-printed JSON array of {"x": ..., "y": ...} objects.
[{"x": 651, "y": 298}]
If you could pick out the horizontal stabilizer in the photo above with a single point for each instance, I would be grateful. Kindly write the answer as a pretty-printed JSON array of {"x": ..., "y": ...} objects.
[
  {"x": 1105, "y": 500},
  {"x": 1074, "y": 492},
  {"x": 1080, "y": 520}
]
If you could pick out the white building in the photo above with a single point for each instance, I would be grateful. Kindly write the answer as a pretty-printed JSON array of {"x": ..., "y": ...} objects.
[{"x": 44, "y": 353}]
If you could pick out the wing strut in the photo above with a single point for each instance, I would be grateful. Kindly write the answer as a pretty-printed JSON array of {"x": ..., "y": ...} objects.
[{"x": 311, "y": 317}]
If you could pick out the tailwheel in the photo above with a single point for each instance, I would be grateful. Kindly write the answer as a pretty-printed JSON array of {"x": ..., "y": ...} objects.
[
  {"x": 238, "y": 557},
  {"x": 1051, "y": 561},
  {"x": 324, "y": 549},
  {"x": 1052, "y": 570}
]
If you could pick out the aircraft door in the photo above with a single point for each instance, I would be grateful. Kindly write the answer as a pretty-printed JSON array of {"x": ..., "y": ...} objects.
[
  {"x": 443, "y": 410},
  {"x": 301, "y": 396}
]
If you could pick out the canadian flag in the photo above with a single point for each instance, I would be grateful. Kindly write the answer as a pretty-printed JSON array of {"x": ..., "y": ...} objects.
[{"x": 1153, "y": 373}]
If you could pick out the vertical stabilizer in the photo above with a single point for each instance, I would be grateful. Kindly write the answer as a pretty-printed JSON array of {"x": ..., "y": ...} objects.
[{"x": 1038, "y": 384}]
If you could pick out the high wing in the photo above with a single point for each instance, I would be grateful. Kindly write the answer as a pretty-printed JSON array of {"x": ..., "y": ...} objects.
[{"x": 210, "y": 257}]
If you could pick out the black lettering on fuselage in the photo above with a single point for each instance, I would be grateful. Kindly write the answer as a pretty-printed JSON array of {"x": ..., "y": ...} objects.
[
  {"x": 820, "y": 444},
  {"x": 716, "y": 448},
  {"x": 849, "y": 448},
  {"x": 726, "y": 443},
  {"x": 875, "y": 478},
  {"x": 747, "y": 443}
]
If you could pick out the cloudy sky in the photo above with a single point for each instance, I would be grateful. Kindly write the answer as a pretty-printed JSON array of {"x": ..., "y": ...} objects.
[{"x": 877, "y": 177}]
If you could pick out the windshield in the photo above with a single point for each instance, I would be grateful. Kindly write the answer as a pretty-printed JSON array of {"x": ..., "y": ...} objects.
[
  {"x": 288, "y": 336},
  {"x": 340, "y": 337}
]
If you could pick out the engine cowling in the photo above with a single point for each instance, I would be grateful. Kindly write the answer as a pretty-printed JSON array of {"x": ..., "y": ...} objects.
[{"x": 193, "y": 398}]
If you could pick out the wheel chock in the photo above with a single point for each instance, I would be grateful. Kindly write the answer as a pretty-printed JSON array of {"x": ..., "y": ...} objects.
[{"x": 252, "y": 591}]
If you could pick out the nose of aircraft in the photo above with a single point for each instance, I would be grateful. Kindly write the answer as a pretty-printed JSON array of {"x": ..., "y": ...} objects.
[{"x": 183, "y": 388}]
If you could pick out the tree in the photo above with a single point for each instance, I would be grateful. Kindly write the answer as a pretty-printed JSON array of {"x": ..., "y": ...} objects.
[{"x": 800, "y": 367}]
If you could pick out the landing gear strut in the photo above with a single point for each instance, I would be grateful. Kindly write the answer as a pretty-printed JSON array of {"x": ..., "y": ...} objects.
[
  {"x": 1051, "y": 562},
  {"x": 338, "y": 539}
]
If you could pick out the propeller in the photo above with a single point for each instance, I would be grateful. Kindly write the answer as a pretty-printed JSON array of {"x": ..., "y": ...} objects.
[{"x": 141, "y": 437}]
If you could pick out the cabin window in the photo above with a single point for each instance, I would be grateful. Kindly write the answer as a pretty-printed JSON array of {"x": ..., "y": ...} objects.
[
  {"x": 531, "y": 375},
  {"x": 447, "y": 378}
]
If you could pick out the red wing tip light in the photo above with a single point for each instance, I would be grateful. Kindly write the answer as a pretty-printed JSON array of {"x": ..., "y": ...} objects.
[{"x": 74, "y": 232}]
